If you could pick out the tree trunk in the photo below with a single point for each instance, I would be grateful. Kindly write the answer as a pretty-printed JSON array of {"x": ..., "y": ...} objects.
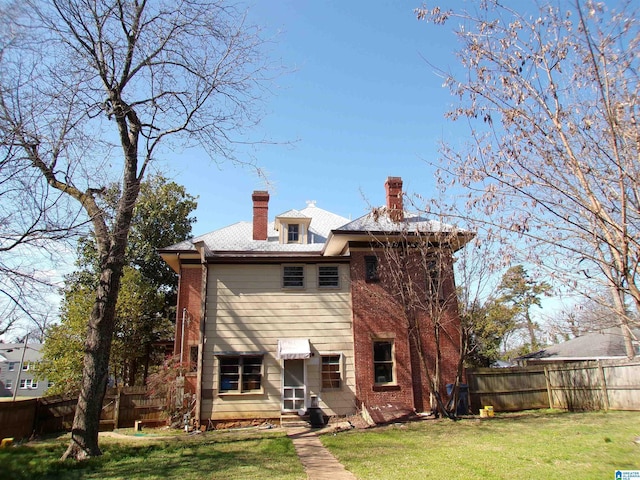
[
  {"x": 619, "y": 303},
  {"x": 532, "y": 332},
  {"x": 86, "y": 423}
]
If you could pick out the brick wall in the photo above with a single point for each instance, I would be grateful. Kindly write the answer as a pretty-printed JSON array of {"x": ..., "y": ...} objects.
[
  {"x": 189, "y": 297},
  {"x": 377, "y": 313}
]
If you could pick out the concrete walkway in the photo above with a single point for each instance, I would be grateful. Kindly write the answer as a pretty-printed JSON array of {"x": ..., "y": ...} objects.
[{"x": 316, "y": 459}]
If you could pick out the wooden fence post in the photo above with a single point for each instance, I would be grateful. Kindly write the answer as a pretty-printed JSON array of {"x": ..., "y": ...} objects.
[
  {"x": 603, "y": 386},
  {"x": 116, "y": 409},
  {"x": 549, "y": 390}
]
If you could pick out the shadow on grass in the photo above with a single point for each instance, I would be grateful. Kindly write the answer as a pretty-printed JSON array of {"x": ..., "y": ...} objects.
[{"x": 256, "y": 458}]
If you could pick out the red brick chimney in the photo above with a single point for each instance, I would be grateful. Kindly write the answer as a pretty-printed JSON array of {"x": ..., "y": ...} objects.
[
  {"x": 260, "y": 214},
  {"x": 393, "y": 186}
]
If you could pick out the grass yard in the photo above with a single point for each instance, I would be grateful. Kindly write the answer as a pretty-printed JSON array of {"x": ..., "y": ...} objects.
[
  {"x": 214, "y": 455},
  {"x": 531, "y": 445}
]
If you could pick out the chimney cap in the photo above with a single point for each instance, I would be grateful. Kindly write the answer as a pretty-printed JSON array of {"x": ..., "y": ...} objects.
[{"x": 258, "y": 194}]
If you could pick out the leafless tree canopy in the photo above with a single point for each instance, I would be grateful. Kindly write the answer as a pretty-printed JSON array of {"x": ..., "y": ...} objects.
[
  {"x": 92, "y": 90},
  {"x": 551, "y": 99}
]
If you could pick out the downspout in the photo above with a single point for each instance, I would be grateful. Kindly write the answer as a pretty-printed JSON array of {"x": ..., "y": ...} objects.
[
  {"x": 201, "y": 340},
  {"x": 184, "y": 317}
]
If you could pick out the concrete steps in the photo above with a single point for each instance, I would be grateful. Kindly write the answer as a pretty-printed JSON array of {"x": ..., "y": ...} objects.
[{"x": 294, "y": 420}]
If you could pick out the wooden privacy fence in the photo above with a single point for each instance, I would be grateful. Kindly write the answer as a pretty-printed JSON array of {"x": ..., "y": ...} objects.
[
  {"x": 121, "y": 408},
  {"x": 594, "y": 385}
]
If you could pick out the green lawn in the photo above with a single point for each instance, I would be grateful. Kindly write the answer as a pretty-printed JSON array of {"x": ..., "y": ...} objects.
[
  {"x": 214, "y": 455},
  {"x": 531, "y": 445},
  {"x": 541, "y": 445}
]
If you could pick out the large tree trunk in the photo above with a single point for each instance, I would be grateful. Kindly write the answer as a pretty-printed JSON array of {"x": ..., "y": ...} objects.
[{"x": 86, "y": 423}]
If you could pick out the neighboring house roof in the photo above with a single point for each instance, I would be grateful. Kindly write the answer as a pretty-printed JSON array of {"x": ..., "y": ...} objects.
[
  {"x": 605, "y": 344},
  {"x": 12, "y": 352}
]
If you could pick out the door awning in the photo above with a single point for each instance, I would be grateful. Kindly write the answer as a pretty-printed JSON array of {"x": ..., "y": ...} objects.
[{"x": 293, "y": 348}]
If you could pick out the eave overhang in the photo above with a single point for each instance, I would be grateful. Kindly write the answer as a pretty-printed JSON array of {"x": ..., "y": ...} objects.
[{"x": 338, "y": 240}]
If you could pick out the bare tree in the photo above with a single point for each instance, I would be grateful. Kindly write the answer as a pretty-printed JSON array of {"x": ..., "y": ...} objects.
[
  {"x": 90, "y": 88},
  {"x": 416, "y": 275},
  {"x": 551, "y": 98}
]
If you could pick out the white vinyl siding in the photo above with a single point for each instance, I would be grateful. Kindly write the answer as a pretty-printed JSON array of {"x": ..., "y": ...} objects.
[{"x": 248, "y": 311}]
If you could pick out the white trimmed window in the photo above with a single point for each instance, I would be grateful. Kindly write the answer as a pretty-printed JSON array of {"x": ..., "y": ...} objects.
[
  {"x": 293, "y": 233},
  {"x": 293, "y": 276},
  {"x": 383, "y": 362},
  {"x": 331, "y": 371},
  {"x": 25, "y": 366},
  {"x": 328, "y": 276},
  {"x": 8, "y": 384},
  {"x": 27, "y": 383},
  {"x": 240, "y": 373},
  {"x": 12, "y": 366}
]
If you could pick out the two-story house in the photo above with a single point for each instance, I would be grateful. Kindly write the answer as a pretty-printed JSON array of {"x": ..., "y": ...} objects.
[
  {"x": 274, "y": 313},
  {"x": 16, "y": 370}
]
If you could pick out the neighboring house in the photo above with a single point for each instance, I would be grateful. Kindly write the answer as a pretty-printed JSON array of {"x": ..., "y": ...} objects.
[
  {"x": 276, "y": 316},
  {"x": 607, "y": 344},
  {"x": 16, "y": 370}
]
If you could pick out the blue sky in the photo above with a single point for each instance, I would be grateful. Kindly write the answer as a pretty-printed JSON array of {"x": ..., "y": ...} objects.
[{"x": 358, "y": 103}]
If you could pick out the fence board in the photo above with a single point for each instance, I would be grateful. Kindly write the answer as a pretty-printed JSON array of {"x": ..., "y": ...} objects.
[
  {"x": 572, "y": 386},
  {"x": 53, "y": 414},
  {"x": 17, "y": 419}
]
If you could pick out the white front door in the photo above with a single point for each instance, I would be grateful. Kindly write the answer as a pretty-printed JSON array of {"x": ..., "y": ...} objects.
[{"x": 293, "y": 385}]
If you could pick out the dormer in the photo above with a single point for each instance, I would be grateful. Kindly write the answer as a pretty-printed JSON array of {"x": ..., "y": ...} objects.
[{"x": 293, "y": 227}]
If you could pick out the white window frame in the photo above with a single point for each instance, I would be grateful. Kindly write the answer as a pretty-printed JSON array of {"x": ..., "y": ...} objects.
[
  {"x": 12, "y": 366},
  {"x": 294, "y": 229},
  {"x": 392, "y": 361},
  {"x": 25, "y": 366},
  {"x": 8, "y": 384},
  {"x": 287, "y": 277}
]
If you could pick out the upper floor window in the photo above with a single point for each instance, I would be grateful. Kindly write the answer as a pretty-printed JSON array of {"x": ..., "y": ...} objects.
[
  {"x": 8, "y": 384},
  {"x": 371, "y": 268},
  {"x": 293, "y": 276},
  {"x": 12, "y": 366},
  {"x": 328, "y": 276},
  {"x": 293, "y": 233},
  {"x": 25, "y": 366}
]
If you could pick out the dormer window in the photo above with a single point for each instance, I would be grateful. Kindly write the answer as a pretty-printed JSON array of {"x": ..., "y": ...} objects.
[
  {"x": 293, "y": 227},
  {"x": 293, "y": 233}
]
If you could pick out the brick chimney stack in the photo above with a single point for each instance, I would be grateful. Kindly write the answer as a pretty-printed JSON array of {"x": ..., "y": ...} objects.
[
  {"x": 260, "y": 214},
  {"x": 393, "y": 186}
]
